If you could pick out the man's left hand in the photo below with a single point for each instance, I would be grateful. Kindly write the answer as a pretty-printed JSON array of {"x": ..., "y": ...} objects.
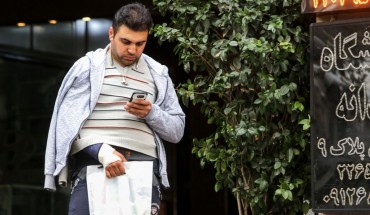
[{"x": 139, "y": 107}]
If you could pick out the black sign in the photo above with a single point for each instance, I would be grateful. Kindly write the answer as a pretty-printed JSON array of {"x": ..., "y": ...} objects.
[
  {"x": 318, "y": 6},
  {"x": 340, "y": 115}
]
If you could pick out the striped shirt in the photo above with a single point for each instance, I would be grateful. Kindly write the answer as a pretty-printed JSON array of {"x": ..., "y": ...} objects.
[{"x": 109, "y": 123}]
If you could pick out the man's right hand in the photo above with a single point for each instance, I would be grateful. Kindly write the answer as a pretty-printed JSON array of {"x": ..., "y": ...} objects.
[{"x": 116, "y": 168}]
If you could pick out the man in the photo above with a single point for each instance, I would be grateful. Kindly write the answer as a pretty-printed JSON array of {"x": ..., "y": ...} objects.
[{"x": 94, "y": 122}]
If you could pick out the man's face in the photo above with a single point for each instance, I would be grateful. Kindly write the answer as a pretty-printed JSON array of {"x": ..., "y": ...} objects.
[{"x": 127, "y": 45}]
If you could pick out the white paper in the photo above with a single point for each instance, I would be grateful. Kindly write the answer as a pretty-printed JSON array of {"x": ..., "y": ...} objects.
[{"x": 129, "y": 194}]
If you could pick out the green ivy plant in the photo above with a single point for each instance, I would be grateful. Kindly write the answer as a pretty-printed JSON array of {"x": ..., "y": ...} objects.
[{"x": 247, "y": 60}]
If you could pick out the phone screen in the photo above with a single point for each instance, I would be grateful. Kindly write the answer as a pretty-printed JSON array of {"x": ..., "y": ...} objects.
[{"x": 138, "y": 95}]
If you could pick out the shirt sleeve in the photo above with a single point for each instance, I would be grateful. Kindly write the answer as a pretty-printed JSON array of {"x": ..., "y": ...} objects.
[{"x": 93, "y": 150}]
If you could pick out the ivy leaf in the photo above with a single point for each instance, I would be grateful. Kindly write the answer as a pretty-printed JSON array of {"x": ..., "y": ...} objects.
[
  {"x": 241, "y": 131},
  {"x": 233, "y": 43},
  {"x": 227, "y": 110}
]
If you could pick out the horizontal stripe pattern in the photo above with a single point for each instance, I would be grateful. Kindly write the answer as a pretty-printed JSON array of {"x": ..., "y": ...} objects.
[{"x": 109, "y": 122}]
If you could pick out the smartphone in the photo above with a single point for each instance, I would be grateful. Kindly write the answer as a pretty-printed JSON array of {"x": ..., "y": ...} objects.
[{"x": 138, "y": 95}]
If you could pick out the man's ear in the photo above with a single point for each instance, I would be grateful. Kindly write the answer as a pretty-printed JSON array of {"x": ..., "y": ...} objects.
[{"x": 111, "y": 33}]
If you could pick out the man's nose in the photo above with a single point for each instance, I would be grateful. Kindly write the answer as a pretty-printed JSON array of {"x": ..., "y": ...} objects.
[{"x": 132, "y": 49}]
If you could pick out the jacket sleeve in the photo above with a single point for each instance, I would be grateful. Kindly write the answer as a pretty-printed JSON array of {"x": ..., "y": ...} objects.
[
  {"x": 51, "y": 150},
  {"x": 167, "y": 119}
]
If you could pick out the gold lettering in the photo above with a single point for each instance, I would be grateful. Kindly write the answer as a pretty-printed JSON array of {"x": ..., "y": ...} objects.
[
  {"x": 360, "y": 1},
  {"x": 325, "y": 2}
]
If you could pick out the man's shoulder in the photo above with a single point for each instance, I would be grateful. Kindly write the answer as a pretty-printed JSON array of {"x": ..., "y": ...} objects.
[
  {"x": 151, "y": 60},
  {"x": 97, "y": 57},
  {"x": 155, "y": 65},
  {"x": 91, "y": 57}
]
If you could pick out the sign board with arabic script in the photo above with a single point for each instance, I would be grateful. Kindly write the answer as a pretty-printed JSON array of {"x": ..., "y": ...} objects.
[
  {"x": 321, "y": 6},
  {"x": 340, "y": 115}
]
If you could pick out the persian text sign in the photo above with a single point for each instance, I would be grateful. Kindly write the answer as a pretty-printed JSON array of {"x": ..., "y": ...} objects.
[
  {"x": 340, "y": 115},
  {"x": 317, "y": 6}
]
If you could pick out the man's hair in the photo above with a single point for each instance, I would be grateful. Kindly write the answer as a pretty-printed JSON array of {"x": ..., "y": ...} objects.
[{"x": 134, "y": 16}]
